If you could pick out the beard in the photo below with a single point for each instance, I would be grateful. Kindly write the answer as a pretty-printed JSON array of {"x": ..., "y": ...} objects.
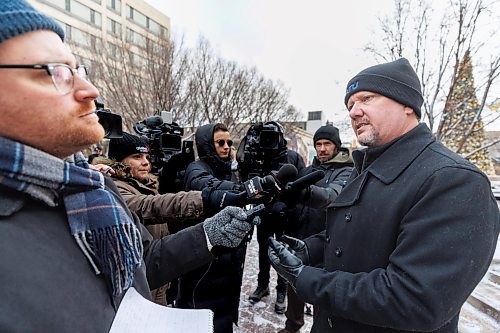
[
  {"x": 369, "y": 137},
  {"x": 77, "y": 135}
]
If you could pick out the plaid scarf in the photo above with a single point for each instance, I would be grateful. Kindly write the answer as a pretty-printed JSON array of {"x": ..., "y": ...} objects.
[{"x": 101, "y": 227}]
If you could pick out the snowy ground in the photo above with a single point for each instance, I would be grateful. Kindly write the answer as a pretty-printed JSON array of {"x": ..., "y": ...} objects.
[{"x": 260, "y": 318}]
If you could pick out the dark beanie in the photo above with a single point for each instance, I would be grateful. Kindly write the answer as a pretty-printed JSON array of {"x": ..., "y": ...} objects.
[
  {"x": 18, "y": 17},
  {"x": 125, "y": 146},
  {"x": 328, "y": 132},
  {"x": 396, "y": 80}
]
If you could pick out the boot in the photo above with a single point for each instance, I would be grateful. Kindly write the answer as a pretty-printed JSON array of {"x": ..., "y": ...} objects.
[
  {"x": 279, "y": 306},
  {"x": 258, "y": 294}
]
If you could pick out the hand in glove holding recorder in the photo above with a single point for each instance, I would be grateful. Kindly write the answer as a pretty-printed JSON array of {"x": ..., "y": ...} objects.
[{"x": 228, "y": 227}]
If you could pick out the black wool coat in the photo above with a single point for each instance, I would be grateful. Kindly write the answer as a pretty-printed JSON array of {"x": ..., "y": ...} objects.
[{"x": 407, "y": 240}]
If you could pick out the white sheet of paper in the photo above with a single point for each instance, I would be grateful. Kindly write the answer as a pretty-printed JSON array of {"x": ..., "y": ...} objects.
[{"x": 137, "y": 314}]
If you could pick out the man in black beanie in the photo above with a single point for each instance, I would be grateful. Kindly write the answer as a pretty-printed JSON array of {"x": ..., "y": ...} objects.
[
  {"x": 336, "y": 163},
  {"x": 389, "y": 257}
]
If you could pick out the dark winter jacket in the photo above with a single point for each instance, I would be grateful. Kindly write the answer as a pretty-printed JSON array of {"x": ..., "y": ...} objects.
[
  {"x": 216, "y": 286},
  {"x": 47, "y": 284},
  {"x": 407, "y": 240},
  {"x": 308, "y": 220}
]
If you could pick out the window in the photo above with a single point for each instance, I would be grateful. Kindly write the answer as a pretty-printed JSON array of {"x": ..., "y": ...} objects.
[
  {"x": 85, "y": 13},
  {"x": 314, "y": 115},
  {"x": 137, "y": 16},
  {"x": 135, "y": 38},
  {"x": 82, "y": 38},
  {"x": 115, "y": 5},
  {"x": 139, "y": 60},
  {"x": 58, "y": 3},
  {"x": 154, "y": 27},
  {"x": 114, "y": 52},
  {"x": 114, "y": 27}
]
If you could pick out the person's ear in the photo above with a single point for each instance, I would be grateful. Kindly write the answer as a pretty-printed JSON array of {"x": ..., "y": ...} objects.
[{"x": 408, "y": 110}]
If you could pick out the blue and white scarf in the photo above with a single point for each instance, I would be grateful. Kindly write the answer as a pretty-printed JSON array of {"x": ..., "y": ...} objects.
[{"x": 101, "y": 227}]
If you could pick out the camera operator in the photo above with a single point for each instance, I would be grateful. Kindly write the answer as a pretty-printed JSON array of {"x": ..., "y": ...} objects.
[
  {"x": 337, "y": 164},
  {"x": 216, "y": 287},
  {"x": 263, "y": 150}
]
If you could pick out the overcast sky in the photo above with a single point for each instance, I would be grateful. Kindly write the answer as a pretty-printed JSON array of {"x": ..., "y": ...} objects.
[{"x": 314, "y": 47}]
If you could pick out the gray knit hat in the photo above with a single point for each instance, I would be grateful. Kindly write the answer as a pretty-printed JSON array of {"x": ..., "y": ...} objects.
[
  {"x": 18, "y": 17},
  {"x": 396, "y": 80}
]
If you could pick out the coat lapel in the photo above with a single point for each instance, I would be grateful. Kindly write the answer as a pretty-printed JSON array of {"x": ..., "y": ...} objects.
[{"x": 388, "y": 166}]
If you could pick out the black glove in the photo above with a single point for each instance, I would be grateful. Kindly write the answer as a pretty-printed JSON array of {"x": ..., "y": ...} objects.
[
  {"x": 291, "y": 198},
  {"x": 296, "y": 247},
  {"x": 228, "y": 227},
  {"x": 284, "y": 262},
  {"x": 215, "y": 200}
]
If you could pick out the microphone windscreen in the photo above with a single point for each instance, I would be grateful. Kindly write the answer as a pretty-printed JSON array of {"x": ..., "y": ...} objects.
[{"x": 286, "y": 173}]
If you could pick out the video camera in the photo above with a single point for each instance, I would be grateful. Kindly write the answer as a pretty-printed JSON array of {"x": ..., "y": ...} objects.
[
  {"x": 112, "y": 123},
  {"x": 262, "y": 150},
  {"x": 169, "y": 154}
]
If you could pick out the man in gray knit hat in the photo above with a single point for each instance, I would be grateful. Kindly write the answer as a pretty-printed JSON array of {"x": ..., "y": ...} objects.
[
  {"x": 69, "y": 247},
  {"x": 412, "y": 232}
]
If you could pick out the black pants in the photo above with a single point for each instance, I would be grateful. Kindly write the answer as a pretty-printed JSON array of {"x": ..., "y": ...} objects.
[{"x": 265, "y": 230}]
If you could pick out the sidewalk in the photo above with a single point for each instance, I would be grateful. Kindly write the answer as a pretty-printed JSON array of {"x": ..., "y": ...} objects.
[{"x": 260, "y": 318}]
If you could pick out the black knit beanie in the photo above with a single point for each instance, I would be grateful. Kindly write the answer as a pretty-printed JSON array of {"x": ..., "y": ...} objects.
[
  {"x": 125, "y": 146},
  {"x": 18, "y": 17},
  {"x": 396, "y": 80},
  {"x": 328, "y": 132}
]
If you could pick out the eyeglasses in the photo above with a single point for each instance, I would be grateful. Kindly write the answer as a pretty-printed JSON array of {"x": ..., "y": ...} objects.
[
  {"x": 222, "y": 142},
  {"x": 62, "y": 75}
]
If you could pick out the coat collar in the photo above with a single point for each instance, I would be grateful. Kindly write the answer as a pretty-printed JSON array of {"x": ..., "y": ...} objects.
[
  {"x": 389, "y": 164},
  {"x": 398, "y": 156}
]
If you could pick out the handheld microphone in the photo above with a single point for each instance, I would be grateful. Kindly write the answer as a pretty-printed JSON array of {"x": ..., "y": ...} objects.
[
  {"x": 287, "y": 173},
  {"x": 272, "y": 183},
  {"x": 306, "y": 181}
]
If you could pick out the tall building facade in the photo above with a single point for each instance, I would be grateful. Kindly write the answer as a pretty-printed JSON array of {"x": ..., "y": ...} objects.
[{"x": 87, "y": 21}]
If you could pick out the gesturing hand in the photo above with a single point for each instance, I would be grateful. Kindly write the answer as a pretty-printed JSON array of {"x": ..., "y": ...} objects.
[
  {"x": 284, "y": 262},
  {"x": 297, "y": 247}
]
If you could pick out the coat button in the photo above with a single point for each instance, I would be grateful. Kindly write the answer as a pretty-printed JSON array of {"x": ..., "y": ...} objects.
[
  {"x": 338, "y": 251},
  {"x": 327, "y": 239},
  {"x": 330, "y": 323},
  {"x": 348, "y": 217}
]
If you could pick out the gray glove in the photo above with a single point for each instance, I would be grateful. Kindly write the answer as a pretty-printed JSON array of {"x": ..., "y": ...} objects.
[{"x": 228, "y": 227}]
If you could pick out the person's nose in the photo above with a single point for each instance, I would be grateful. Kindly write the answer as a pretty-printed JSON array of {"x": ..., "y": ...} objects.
[
  {"x": 84, "y": 90},
  {"x": 356, "y": 111}
]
